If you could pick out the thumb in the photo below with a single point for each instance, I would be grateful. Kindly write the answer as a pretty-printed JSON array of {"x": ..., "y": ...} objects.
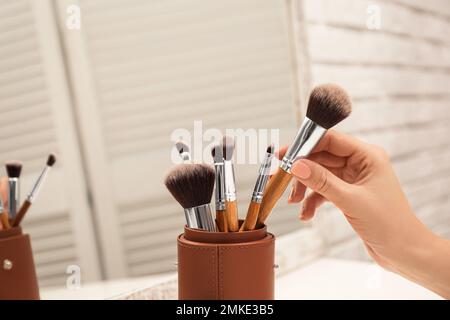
[{"x": 321, "y": 180}]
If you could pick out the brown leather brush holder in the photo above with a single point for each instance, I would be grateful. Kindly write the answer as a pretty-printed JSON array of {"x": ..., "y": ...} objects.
[
  {"x": 226, "y": 266},
  {"x": 17, "y": 272}
]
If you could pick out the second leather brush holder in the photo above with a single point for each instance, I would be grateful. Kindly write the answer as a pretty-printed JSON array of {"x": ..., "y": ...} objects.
[
  {"x": 18, "y": 279},
  {"x": 226, "y": 266}
]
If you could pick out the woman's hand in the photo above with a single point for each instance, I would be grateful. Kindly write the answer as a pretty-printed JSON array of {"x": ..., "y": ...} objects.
[{"x": 358, "y": 179}]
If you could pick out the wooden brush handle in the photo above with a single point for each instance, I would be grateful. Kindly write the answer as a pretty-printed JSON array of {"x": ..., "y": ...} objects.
[
  {"x": 274, "y": 190},
  {"x": 251, "y": 218},
  {"x": 22, "y": 211},
  {"x": 5, "y": 220},
  {"x": 222, "y": 223},
  {"x": 232, "y": 216}
]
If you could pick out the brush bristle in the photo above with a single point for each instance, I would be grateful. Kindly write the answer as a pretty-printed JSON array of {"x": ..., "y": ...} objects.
[
  {"x": 13, "y": 169},
  {"x": 328, "y": 105},
  {"x": 181, "y": 146},
  {"x": 191, "y": 185},
  {"x": 216, "y": 153},
  {"x": 228, "y": 145},
  {"x": 270, "y": 149},
  {"x": 51, "y": 160}
]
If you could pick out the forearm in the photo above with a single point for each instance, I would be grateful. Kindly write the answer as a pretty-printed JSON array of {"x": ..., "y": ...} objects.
[{"x": 429, "y": 264}]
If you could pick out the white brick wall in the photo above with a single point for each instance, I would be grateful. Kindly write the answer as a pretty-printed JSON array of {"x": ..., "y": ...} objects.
[{"x": 399, "y": 77}]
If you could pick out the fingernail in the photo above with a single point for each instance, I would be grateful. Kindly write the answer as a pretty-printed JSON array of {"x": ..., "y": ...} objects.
[{"x": 301, "y": 170}]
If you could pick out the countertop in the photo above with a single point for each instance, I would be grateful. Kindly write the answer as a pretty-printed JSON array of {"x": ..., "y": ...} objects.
[{"x": 323, "y": 278}]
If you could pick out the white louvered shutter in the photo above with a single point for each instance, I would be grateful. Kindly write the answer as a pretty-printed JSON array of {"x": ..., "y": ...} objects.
[
  {"x": 35, "y": 119},
  {"x": 141, "y": 69}
]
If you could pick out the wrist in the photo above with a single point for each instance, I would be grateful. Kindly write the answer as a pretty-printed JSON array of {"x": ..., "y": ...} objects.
[
  {"x": 409, "y": 244},
  {"x": 426, "y": 261}
]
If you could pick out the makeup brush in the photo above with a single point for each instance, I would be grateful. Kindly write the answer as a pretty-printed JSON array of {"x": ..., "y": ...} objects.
[
  {"x": 183, "y": 150},
  {"x": 258, "y": 191},
  {"x": 34, "y": 191},
  {"x": 328, "y": 105},
  {"x": 13, "y": 168},
  {"x": 4, "y": 219},
  {"x": 228, "y": 145},
  {"x": 192, "y": 186},
  {"x": 4, "y": 216},
  {"x": 217, "y": 154}
]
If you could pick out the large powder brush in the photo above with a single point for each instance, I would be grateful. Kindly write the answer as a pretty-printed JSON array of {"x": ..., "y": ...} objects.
[
  {"x": 192, "y": 186},
  {"x": 328, "y": 105}
]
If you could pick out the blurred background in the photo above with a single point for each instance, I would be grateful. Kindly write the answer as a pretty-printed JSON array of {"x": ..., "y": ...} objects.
[{"x": 104, "y": 83}]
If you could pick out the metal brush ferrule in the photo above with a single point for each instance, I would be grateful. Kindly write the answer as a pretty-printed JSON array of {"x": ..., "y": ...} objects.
[
  {"x": 230, "y": 184},
  {"x": 263, "y": 177},
  {"x": 200, "y": 218},
  {"x": 307, "y": 138},
  {"x": 13, "y": 197},
  {"x": 220, "y": 186}
]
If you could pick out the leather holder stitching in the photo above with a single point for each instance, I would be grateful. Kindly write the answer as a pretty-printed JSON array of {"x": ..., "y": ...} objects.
[
  {"x": 213, "y": 273},
  {"x": 220, "y": 274}
]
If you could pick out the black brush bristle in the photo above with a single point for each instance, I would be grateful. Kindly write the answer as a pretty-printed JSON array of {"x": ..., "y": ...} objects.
[
  {"x": 216, "y": 153},
  {"x": 181, "y": 146},
  {"x": 270, "y": 149},
  {"x": 51, "y": 160},
  {"x": 328, "y": 105},
  {"x": 228, "y": 145},
  {"x": 191, "y": 185},
  {"x": 13, "y": 169}
]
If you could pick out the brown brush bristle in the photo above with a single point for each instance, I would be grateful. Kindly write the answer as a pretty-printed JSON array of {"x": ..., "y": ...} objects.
[
  {"x": 13, "y": 169},
  {"x": 228, "y": 145},
  {"x": 328, "y": 105},
  {"x": 191, "y": 185},
  {"x": 270, "y": 149},
  {"x": 181, "y": 146},
  {"x": 51, "y": 160},
  {"x": 216, "y": 153}
]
